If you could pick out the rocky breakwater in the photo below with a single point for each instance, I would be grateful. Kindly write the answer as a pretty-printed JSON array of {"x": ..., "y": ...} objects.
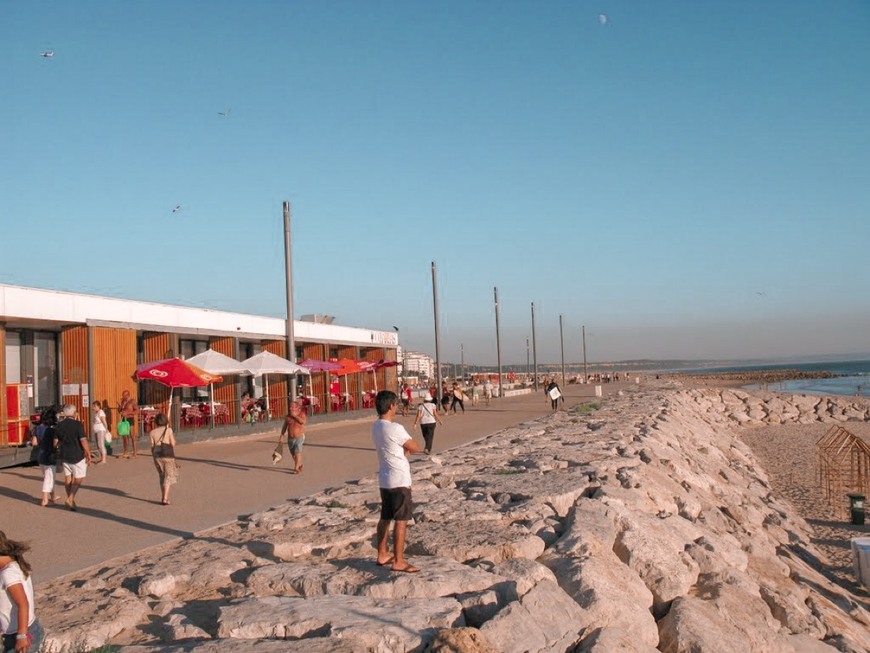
[
  {"x": 758, "y": 409},
  {"x": 745, "y": 377},
  {"x": 645, "y": 525}
]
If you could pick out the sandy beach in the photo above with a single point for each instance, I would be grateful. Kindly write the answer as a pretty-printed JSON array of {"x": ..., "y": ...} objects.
[{"x": 788, "y": 454}]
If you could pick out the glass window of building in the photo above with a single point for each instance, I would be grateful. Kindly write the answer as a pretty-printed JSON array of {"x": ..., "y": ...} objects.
[
  {"x": 189, "y": 349},
  {"x": 45, "y": 363},
  {"x": 31, "y": 358},
  {"x": 13, "y": 357}
]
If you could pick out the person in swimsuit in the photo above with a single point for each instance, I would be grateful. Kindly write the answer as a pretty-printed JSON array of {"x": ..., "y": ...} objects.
[{"x": 294, "y": 427}]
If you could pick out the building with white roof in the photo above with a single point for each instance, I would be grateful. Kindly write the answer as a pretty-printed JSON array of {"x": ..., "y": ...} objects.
[{"x": 60, "y": 347}]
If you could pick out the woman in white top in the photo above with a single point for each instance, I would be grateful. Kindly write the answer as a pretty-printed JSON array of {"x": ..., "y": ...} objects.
[
  {"x": 21, "y": 629},
  {"x": 427, "y": 417},
  {"x": 100, "y": 428}
]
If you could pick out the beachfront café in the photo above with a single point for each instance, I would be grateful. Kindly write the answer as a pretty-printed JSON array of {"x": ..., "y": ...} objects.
[{"x": 69, "y": 348}]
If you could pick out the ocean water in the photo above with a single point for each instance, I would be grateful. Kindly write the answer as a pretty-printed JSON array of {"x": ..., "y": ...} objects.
[{"x": 855, "y": 379}]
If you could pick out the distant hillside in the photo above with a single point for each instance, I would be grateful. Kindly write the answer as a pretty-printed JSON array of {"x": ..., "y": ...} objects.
[{"x": 674, "y": 365}]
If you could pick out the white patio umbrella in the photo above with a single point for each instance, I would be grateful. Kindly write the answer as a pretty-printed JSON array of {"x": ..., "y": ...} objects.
[
  {"x": 266, "y": 363},
  {"x": 215, "y": 362}
]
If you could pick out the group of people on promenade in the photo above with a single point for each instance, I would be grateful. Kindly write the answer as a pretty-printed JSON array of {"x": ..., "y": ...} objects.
[{"x": 63, "y": 447}]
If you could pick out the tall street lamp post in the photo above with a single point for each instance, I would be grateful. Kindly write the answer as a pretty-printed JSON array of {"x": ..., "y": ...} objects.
[
  {"x": 534, "y": 347},
  {"x": 497, "y": 340},
  {"x": 437, "y": 332},
  {"x": 402, "y": 361},
  {"x": 288, "y": 270}
]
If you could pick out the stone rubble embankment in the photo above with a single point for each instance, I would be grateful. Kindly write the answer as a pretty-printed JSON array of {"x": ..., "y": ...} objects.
[
  {"x": 746, "y": 377},
  {"x": 645, "y": 525}
]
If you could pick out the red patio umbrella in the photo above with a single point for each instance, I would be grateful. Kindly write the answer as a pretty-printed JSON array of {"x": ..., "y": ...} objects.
[
  {"x": 348, "y": 366},
  {"x": 175, "y": 373},
  {"x": 315, "y": 365},
  {"x": 376, "y": 365}
]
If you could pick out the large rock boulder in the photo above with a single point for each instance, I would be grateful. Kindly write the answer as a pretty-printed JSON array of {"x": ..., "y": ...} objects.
[
  {"x": 370, "y": 624},
  {"x": 545, "y": 619}
]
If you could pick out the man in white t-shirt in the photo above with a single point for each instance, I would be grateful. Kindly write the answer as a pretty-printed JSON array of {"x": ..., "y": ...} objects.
[{"x": 393, "y": 445}]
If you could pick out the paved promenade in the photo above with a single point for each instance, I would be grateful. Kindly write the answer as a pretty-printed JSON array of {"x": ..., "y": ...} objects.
[{"x": 119, "y": 504}]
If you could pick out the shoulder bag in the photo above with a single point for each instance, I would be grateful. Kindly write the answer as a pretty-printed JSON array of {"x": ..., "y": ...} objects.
[{"x": 163, "y": 449}]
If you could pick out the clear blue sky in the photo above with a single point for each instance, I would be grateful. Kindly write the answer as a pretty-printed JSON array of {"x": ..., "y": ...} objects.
[{"x": 687, "y": 179}]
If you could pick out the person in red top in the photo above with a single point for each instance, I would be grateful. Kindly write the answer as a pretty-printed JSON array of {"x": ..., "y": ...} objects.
[{"x": 406, "y": 398}]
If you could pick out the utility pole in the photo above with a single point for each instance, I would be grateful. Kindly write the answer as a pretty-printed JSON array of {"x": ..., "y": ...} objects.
[
  {"x": 462, "y": 359},
  {"x": 437, "y": 333},
  {"x": 585, "y": 373},
  {"x": 401, "y": 362},
  {"x": 528, "y": 364},
  {"x": 534, "y": 347},
  {"x": 562, "y": 343},
  {"x": 497, "y": 340},
  {"x": 288, "y": 271}
]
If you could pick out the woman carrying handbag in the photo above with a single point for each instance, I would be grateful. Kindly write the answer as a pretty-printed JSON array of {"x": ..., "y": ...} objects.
[{"x": 163, "y": 452}]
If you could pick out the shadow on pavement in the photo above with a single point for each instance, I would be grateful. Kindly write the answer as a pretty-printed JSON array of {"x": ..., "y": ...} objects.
[{"x": 99, "y": 514}]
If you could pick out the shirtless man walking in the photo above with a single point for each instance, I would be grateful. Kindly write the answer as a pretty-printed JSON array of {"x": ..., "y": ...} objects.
[{"x": 294, "y": 427}]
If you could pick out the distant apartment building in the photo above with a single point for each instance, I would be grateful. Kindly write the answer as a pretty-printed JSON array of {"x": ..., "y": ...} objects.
[{"x": 417, "y": 364}]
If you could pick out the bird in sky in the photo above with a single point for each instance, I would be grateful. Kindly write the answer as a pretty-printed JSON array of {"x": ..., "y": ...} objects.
[
  {"x": 760, "y": 294},
  {"x": 47, "y": 53},
  {"x": 176, "y": 209},
  {"x": 225, "y": 114}
]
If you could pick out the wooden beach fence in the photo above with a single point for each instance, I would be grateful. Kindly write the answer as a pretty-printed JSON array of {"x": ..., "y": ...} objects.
[{"x": 843, "y": 467}]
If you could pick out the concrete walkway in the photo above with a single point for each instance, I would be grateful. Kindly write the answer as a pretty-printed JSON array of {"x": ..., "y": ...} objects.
[{"x": 119, "y": 505}]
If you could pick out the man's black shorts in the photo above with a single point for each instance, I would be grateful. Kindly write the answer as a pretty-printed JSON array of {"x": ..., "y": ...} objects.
[{"x": 396, "y": 504}]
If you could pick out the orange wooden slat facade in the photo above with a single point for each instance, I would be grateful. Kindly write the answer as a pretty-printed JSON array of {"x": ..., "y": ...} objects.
[
  {"x": 156, "y": 347},
  {"x": 317, "y": 382},
  {"x": 74, "y": 371},
  {"x": 278, "y": 390},
  {"x": 114, "y": 364}
]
